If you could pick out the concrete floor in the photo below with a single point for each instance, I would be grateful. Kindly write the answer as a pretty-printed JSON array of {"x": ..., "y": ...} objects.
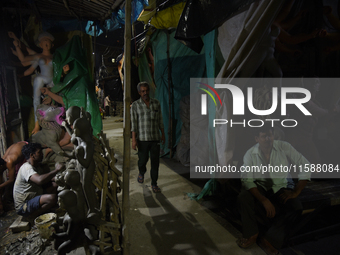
[{"x": 170, "y": 222}]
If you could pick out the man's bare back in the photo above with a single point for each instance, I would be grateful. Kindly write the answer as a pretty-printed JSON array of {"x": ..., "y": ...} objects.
[{"x": 13, "y": 156}]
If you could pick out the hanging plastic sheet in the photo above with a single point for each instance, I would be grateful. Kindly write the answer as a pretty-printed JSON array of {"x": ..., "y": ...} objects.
[
  {"x": 118, "y": 18},
  {"x": 168, "y": 18},
  {"x": 185, "y": 64},
  {"x": 144, "y": 73},
  {"x": 148, "y": 12},
  {"x": 91, "y": 29},
  {"x": 137, "y": 7},
  {"x": 200, "y": 17},
  {"x": 112, "y": 24},
  {"x": 76, "y": 87},
  {"x": 239, "y": 38}
]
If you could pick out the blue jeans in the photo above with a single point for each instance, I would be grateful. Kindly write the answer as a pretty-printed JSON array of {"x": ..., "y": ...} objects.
[{"x": 30, "y": 206}]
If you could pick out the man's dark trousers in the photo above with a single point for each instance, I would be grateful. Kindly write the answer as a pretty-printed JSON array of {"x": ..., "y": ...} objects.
[
  {"x": 144, "y": 148},
  {"x": 279, "y": 226}
]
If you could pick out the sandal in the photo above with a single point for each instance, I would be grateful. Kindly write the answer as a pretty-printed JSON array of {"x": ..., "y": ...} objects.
[
  {"x": 247, "y": 242},
  {"x": 140, "y": 178},
  {"x": 156, "y": 189},
  {"x": 268, "y": 248}
]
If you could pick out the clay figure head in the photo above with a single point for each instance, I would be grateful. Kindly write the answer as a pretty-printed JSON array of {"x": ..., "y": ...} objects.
[
  {"x": 50, "y": 113},
  {"x": 72, "y": 114},
  {"x": 82, "y": 128},
  {"x": 66, "y": 68},
  {"x": 72, "y": 178},
  {"x": 45, "y": 40},
  {"x": 67, "y": 199}
]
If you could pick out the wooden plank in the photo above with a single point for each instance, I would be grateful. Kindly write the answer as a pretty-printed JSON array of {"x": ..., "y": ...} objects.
[
  {"x": 19, "y": 226},
  {"x": 104, "y": 192},
  {"x": 112, "y": 225}
]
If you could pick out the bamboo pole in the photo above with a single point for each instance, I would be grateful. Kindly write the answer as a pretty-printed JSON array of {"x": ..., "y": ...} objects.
[
  {"x": 127, "y": 126},
  {"x": 170, "y": 133}
]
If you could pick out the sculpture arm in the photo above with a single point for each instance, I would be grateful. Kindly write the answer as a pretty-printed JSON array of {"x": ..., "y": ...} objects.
[
  {"x": 30, "y": 70},
  {"x": 68, "y": 128},
  {"x": 65, "y": 140},
  {"x": 55, "y": 97},
  {"x": 65, "y": 234},
  {"x": 80, "y": 152},
  {"x": 21, "y": 55}
]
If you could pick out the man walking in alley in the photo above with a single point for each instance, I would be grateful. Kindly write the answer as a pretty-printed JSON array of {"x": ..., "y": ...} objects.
[{"x": 146, "y": 122}]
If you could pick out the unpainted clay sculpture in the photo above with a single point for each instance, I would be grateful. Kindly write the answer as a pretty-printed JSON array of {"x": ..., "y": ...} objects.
[
  {"x": 50, "y": 119},
  {"x": 90, "y": 169},
  {"x": 72, "y": 179},
  {"x": 83, "y": 152},
  {"x": 73, "y": 113},
  {"x": 73, "y": 235}
]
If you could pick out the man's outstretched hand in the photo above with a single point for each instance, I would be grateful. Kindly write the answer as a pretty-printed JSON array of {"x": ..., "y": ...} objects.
[
  {"x": 270, "y": 208},
  {"x": 287, "y": 194}
]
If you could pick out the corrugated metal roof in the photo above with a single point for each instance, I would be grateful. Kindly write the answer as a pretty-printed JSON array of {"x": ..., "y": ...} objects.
[{"x": 65, "y": 9}]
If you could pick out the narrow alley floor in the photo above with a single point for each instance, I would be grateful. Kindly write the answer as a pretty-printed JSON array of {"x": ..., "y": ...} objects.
[{"x": 170, "y": 222}]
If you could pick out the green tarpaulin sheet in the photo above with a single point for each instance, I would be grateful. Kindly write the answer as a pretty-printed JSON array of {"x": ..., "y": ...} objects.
[{"x": 76, "y": 87}]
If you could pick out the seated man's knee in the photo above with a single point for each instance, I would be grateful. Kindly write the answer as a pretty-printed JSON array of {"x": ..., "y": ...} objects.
[
  {"x": 294, "y": 204},
  {"x": 49, "y": 199},
  {"x": 54, "y": 198},
  {"x": 244, "y": 197}
]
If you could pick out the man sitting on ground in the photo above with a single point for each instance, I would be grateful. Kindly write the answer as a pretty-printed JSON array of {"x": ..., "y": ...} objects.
[
  {"x": 34, "y": 193},
  {"x": 12, "y": 160},
  {"x": 267, "y": 193}
]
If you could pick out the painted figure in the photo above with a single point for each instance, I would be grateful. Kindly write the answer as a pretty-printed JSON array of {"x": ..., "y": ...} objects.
[{"x": 44, "y": 61}]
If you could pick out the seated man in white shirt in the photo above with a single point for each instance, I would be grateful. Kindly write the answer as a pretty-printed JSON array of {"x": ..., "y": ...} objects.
[
  {"x": 33, "y": 192},
  {"x": 266, "y": 193}
]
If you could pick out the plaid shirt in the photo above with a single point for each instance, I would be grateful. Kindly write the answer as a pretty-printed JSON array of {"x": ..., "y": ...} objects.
[{"x": 146, "y": 122}]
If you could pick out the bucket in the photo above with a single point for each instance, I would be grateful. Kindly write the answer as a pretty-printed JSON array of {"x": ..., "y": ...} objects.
[{"x": 43, "y": 223}]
